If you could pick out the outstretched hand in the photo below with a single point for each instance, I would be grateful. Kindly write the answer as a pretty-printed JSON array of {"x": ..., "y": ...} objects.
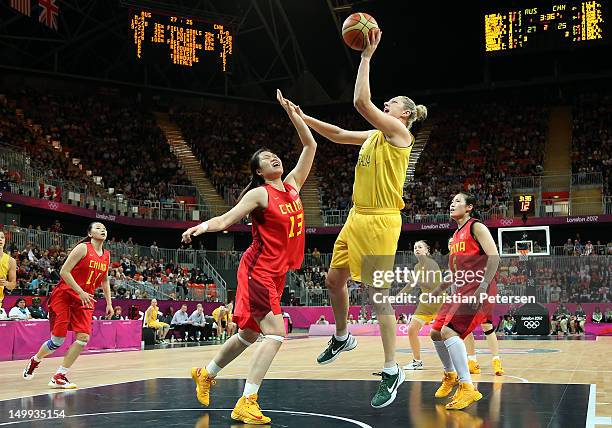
[
  {"x": 192, "y": 231},
  {"x": 372, "y": 41},
  {"x": 293, "y": 111}
]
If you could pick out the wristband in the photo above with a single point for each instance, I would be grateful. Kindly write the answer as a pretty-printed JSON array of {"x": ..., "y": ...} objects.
[{"x": 204, "y": 226}]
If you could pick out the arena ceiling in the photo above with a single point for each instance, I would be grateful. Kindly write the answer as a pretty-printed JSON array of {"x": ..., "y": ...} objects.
[{"x": 291, "y": 44}]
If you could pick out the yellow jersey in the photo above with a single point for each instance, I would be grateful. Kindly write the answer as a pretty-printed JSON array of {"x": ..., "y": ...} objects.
[
  {"x": 429, "y": 275},
  {"x": 4, "y": 270},
  {"x": 226, "y": 317},
  {"x": 380, "y": 174},
  {"x": 151, "y": 315}
]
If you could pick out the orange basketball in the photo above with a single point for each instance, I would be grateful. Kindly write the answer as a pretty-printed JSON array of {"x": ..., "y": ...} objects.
[{"x": 355, "y": 30}]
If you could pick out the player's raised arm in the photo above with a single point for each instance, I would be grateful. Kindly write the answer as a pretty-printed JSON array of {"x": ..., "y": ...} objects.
[
  {"x": 335, "y": 133},
  {"x": 253, "y": 199},
  {"x": 298, "y": 175},
  {"x": 394, "y": 128}
]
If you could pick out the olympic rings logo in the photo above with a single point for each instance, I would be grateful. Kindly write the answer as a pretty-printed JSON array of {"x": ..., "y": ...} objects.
[
  {"x": 402, "y": 328},
  {"x": 53, "y": 205},
  {"x": 507, "y": 221},
  {"x": 532, "y": 325}
]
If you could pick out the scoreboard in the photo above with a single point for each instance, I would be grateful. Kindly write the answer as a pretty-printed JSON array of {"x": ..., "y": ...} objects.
[
  {"x": 524, "y": 204},
  {"x": 184, "y": 41},
  {"x": 560, "y": 24}
]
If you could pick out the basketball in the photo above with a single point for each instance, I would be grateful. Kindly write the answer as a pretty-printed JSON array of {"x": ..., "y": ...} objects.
[{"x": 355, "y": 30}]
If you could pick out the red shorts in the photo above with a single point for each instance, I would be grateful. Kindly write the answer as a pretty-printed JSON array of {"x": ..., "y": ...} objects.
[
  {"x": 256, "y": 296},
  {"x": 67, "y": 313}
]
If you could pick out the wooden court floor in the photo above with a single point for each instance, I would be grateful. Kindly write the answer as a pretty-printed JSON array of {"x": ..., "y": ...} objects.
[{"x": 535, "y": 361}]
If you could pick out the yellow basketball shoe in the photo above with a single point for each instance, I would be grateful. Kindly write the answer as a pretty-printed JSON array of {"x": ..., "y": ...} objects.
[
  {"x": 466, "y": 395},
  {"x": 497, "y": 367},
  {"x": 203, "y": 383},
  {"x": 448, "y": 383},
  {"x": 247, "y": 410},
  {"x": 474, "y": 367}
]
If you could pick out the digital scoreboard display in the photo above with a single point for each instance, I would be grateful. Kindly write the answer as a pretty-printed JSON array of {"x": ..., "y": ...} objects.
[
  {"x": 558, "y": 25},
  {"x": 184, "y": 41},
  {"x": 524, "y": 204}
]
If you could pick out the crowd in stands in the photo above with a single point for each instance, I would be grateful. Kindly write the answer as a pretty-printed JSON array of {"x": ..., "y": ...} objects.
[
  {"x": 471, "y": 151},
  {"x": 577, "y": 248},
  {"x": 115, "y": 138},
  {"x": 224, "y": 141},
  {"x": 467, "y": 151},
  {"x": 130, "y": 275},
  {"x": 592, "y": 136}
]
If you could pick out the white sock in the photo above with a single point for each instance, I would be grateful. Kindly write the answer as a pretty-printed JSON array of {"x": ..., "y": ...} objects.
[
  {"x": 35, "y": 358},
  {"x": 472, "y": 358},
  {"x": 393, "y": 370},
  {"x": 213, "y": 369},
  {"x": 249, "y": 389},
  {"x": 417, "y": 361},
  {"x": 341, "y": 338},
  {"x": 496, "y": 357},
  {"x": 62, "y": 370},
  {"x": 444, "y": 356},
  {"x": 456, "y": 350}
]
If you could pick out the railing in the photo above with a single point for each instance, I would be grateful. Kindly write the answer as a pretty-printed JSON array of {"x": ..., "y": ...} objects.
[
  {"x": 91, "y": 196},
  {"x": 587, "y": 179},
  {"x": 545, "y": 271},
  {"x": 22, "y": 237},
  {"x": 607, "y": 203},
  {"x": 531, "y": 182},
  {"x": 582, "y": 250},
  {"x": 338, "y": 217}
]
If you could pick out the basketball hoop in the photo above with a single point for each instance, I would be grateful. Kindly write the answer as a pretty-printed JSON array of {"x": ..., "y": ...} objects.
[{"x": 523, "y": 255}]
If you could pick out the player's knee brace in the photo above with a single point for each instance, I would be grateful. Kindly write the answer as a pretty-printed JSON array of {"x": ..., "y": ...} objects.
[
  {"x": 279, "y": 339},
  {"x": 244, "y": 341},
  {"x": 488, "y": 332},
  {"x": 82, "y": 342},
  {"x": 55, "y": 342}
]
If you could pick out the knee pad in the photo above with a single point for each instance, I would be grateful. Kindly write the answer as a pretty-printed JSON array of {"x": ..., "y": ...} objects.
[
  {"x": 244, "y": 341},
  {"x": 488, "y": 332},
  {"x": 55, "y": 342},
  {"x": 279, "y": 339},
  {"x": 81, "y": 342}
]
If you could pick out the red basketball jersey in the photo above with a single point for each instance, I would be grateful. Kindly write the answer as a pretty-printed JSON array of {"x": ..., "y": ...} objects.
[
  {"x": 466, "y": 255},
  {"x": 278, "y": 233},
  {"x": 88, "y": 272}
]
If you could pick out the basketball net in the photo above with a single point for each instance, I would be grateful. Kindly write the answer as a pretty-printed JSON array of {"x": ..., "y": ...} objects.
[{"x": 523, "y": 255}]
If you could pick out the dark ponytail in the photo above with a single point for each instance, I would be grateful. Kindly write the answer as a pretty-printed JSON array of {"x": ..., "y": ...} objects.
[
  {"x": 256, "y": 179},
  {"x": 471, "y": 200},
  {"x": 86, "y": 239}
]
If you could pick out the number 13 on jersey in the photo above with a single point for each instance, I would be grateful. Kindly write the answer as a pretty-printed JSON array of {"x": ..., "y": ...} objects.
[{"x": 300, "y": 222}]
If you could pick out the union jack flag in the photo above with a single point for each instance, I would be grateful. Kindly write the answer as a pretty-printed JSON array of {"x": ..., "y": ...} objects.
[
  {"x": 48, "y": 13},
  {"x": 22, "y": 6}
]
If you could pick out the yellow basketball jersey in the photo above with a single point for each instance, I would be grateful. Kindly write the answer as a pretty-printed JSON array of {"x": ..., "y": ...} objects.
[
  {"x": 429, "y": 275},
  {"x": 4, "y": 270},
  {"x": 152, "y": 316},
  {"x": 380, "y": 174}
]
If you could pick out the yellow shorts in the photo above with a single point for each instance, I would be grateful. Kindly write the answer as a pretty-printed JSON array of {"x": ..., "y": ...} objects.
[
  {"x": 158, "y": 324},
  {"x": 367, "y": 244},
  {"x": 425, "y": 319}
]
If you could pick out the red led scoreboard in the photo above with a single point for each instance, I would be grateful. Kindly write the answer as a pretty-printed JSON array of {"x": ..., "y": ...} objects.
[
  {"x": 184, "y": 41},
  {"x": 555, "y": 25}
]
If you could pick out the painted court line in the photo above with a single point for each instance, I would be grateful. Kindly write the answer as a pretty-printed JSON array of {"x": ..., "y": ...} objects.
[{"x": 201, "y": 410}]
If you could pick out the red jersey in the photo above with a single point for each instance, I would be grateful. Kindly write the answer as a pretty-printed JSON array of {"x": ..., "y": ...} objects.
[
  {"x": 88, "y": 272},
  {"x": 278, "y": 233},
  {"x": 467, "y": 260}
]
